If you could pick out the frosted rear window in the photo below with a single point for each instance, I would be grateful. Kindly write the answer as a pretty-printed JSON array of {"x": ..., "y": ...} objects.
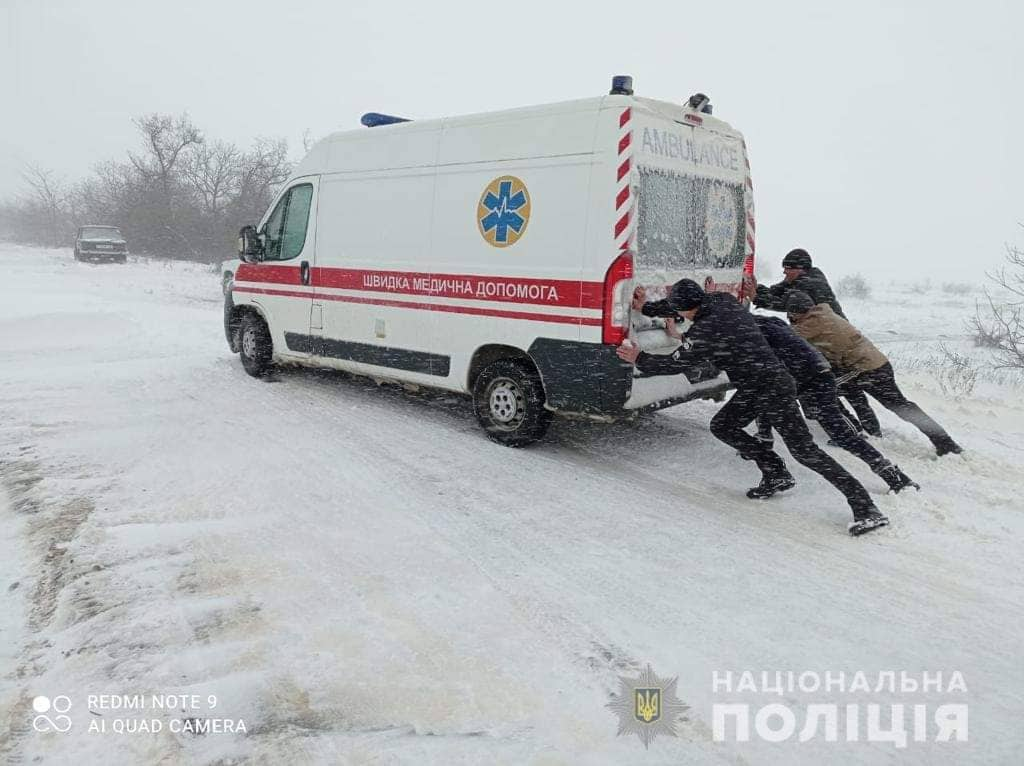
[{"x": 688, "y": 222}]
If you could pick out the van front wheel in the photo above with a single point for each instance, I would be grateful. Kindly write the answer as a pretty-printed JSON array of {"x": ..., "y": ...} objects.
[
  {"x": 509, "y": 401},
  {"x": 255, "y": 347}
]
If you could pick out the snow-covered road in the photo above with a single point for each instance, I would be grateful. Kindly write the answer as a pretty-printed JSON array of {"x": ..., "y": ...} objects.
[{"x": 361, "y": 576}]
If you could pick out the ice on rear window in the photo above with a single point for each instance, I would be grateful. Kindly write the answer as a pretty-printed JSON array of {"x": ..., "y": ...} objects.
[
  {"x": 100, "y": 232},
  {"x": 688, "y": 222}
]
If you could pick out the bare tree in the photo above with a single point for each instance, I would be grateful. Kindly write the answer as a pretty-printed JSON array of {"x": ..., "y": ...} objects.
[
  {"x": 166, "y": 138},
  {"x": 264, "y": 168},
  {"x": 999, "y": 325},
  {"x": 213, "y": 171},
  {"x": 49, "y": 195},
  {"x": 176, "y": 195}
]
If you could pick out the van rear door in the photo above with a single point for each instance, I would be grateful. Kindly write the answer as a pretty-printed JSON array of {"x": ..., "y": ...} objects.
[{"x": 692, "y": 204}]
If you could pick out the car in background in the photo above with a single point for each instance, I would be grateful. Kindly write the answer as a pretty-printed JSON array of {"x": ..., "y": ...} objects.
[{"x": 94, "y": 242}]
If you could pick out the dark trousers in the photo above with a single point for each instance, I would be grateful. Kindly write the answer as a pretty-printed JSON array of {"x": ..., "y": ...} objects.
[
  {"x": 881, "y": 384},
  {"x": 859, "y": 401},
  {"x": 820, "y": 394},
  {"x": 776, "y": 400},
  {"x": 810, "y": 413},
  {"x": 856, "y": 421}
]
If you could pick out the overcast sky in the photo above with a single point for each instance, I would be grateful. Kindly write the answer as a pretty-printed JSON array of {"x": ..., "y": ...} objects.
[{"x": 884, "y": 136}]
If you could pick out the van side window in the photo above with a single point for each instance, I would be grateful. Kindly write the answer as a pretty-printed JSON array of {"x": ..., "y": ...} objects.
[{"x": 286, "y": 227}]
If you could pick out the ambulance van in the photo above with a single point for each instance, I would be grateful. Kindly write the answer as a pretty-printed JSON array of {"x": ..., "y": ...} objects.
[{"x": 496, "y": 254}]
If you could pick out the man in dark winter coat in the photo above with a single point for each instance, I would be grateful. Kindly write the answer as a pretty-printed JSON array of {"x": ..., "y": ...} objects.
[
  {"x": 799, "y": 274},
  {"x": 816, "y": 388},
  {"x": 863, "y": 368},
  {"x": 724, "y": 333}
]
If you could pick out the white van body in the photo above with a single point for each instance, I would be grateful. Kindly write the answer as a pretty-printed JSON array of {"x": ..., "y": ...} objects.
[{"x": 426, "y": 250}]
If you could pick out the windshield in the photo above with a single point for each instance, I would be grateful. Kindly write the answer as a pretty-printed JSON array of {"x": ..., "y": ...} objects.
[
  {"x": 688, "y": 222},
  {"x": 101, "y": 232}
]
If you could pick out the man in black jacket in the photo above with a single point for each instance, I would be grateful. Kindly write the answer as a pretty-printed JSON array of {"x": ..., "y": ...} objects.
[
  {"x": 798, "y": 274},
  {"x": 724, "y": 333},
  {"x": 816, "y": 389}
]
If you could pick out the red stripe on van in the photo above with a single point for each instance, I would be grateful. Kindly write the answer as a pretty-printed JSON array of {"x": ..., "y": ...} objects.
[
  {"x": 266, "y": 272},
  {"x": 623, "y": 169},
  {"x": 556, "y": 318},
  {"x": 624, "y": 142},
  {"x": 540, "y": 292},
  {"x": 622, "y": 223},
  {"x": 624, "y": 117},
  {"x": 622, "y": 197}
]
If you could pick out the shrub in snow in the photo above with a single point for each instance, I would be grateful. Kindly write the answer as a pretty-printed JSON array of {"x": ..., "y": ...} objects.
[
  {"x": 956, "y": 374},
  {"x": 999, "y": 326},
  {"x": 957, "y": 288},
  {"x": 853, "y": 286}
]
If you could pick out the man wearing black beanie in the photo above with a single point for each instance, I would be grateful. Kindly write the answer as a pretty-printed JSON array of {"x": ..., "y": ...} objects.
[
  {"x": 724, "y": 333},
  {"x": 799, "y": 274}
]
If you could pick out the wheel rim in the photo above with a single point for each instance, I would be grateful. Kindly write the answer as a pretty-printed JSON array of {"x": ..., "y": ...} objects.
[
  {"x": 507, "y": 403},
  {"x": 249, "y": 342}
]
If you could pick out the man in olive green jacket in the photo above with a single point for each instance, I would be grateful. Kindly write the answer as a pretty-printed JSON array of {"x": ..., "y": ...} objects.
[{"x": 860, "y": 365}]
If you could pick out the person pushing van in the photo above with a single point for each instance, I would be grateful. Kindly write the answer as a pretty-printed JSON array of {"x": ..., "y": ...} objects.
[
  {"x": 816, "y": 387},
  {"x": 724, "y": 333},
  {"x": 800, "y": 273},
  {"x": 863, "y": 368}
]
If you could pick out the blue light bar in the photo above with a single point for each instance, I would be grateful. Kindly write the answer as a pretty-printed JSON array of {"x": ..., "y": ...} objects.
[{"x": 375, "y": 119}]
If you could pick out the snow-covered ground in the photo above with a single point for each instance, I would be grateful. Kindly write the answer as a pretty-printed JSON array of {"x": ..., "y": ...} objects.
[{"x": 360, "y": 576}]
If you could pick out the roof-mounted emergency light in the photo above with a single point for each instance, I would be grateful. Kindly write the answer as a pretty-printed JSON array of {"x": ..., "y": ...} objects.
[
  {"x": 375, "y": 119},
  {"x": 700, "y": 103},
  {"x": 622, "y": 85}
]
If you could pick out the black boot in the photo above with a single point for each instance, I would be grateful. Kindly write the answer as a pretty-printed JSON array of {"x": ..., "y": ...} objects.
[
  {"x": 895, "y": 478},
  {"x": 866, "y": 520},
  {"x": 947, "y": 446},
  {"x": 770, "y": 485}
]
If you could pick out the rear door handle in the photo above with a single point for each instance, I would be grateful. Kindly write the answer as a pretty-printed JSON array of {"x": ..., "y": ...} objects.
[{"x": 304, "y": 272}]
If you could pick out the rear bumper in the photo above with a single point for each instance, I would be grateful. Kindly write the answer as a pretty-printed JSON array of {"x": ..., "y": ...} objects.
[
  {"x": 589, "y": 379},
  {"x": 658, "y": 392},
  {"x": 101, "y": 255}
]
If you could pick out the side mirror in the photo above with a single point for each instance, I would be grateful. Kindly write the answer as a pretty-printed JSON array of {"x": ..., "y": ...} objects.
[{"x": 250, "y": 244}]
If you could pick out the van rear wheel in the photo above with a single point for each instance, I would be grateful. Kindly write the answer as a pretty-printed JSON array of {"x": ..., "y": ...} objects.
[
  {"x": 509, "y": 401},
  {"x": 255, "y": 346}
]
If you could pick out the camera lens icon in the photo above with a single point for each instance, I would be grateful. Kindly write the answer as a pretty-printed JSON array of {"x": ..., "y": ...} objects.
[{"x": 42, "y": 705}]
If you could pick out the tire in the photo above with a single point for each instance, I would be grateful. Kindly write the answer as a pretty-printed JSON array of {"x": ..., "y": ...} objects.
[
  {"x": 255, "y": 346},
  {"x": 122, "y": 259},
  {"x": 508, "y": 397}
]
